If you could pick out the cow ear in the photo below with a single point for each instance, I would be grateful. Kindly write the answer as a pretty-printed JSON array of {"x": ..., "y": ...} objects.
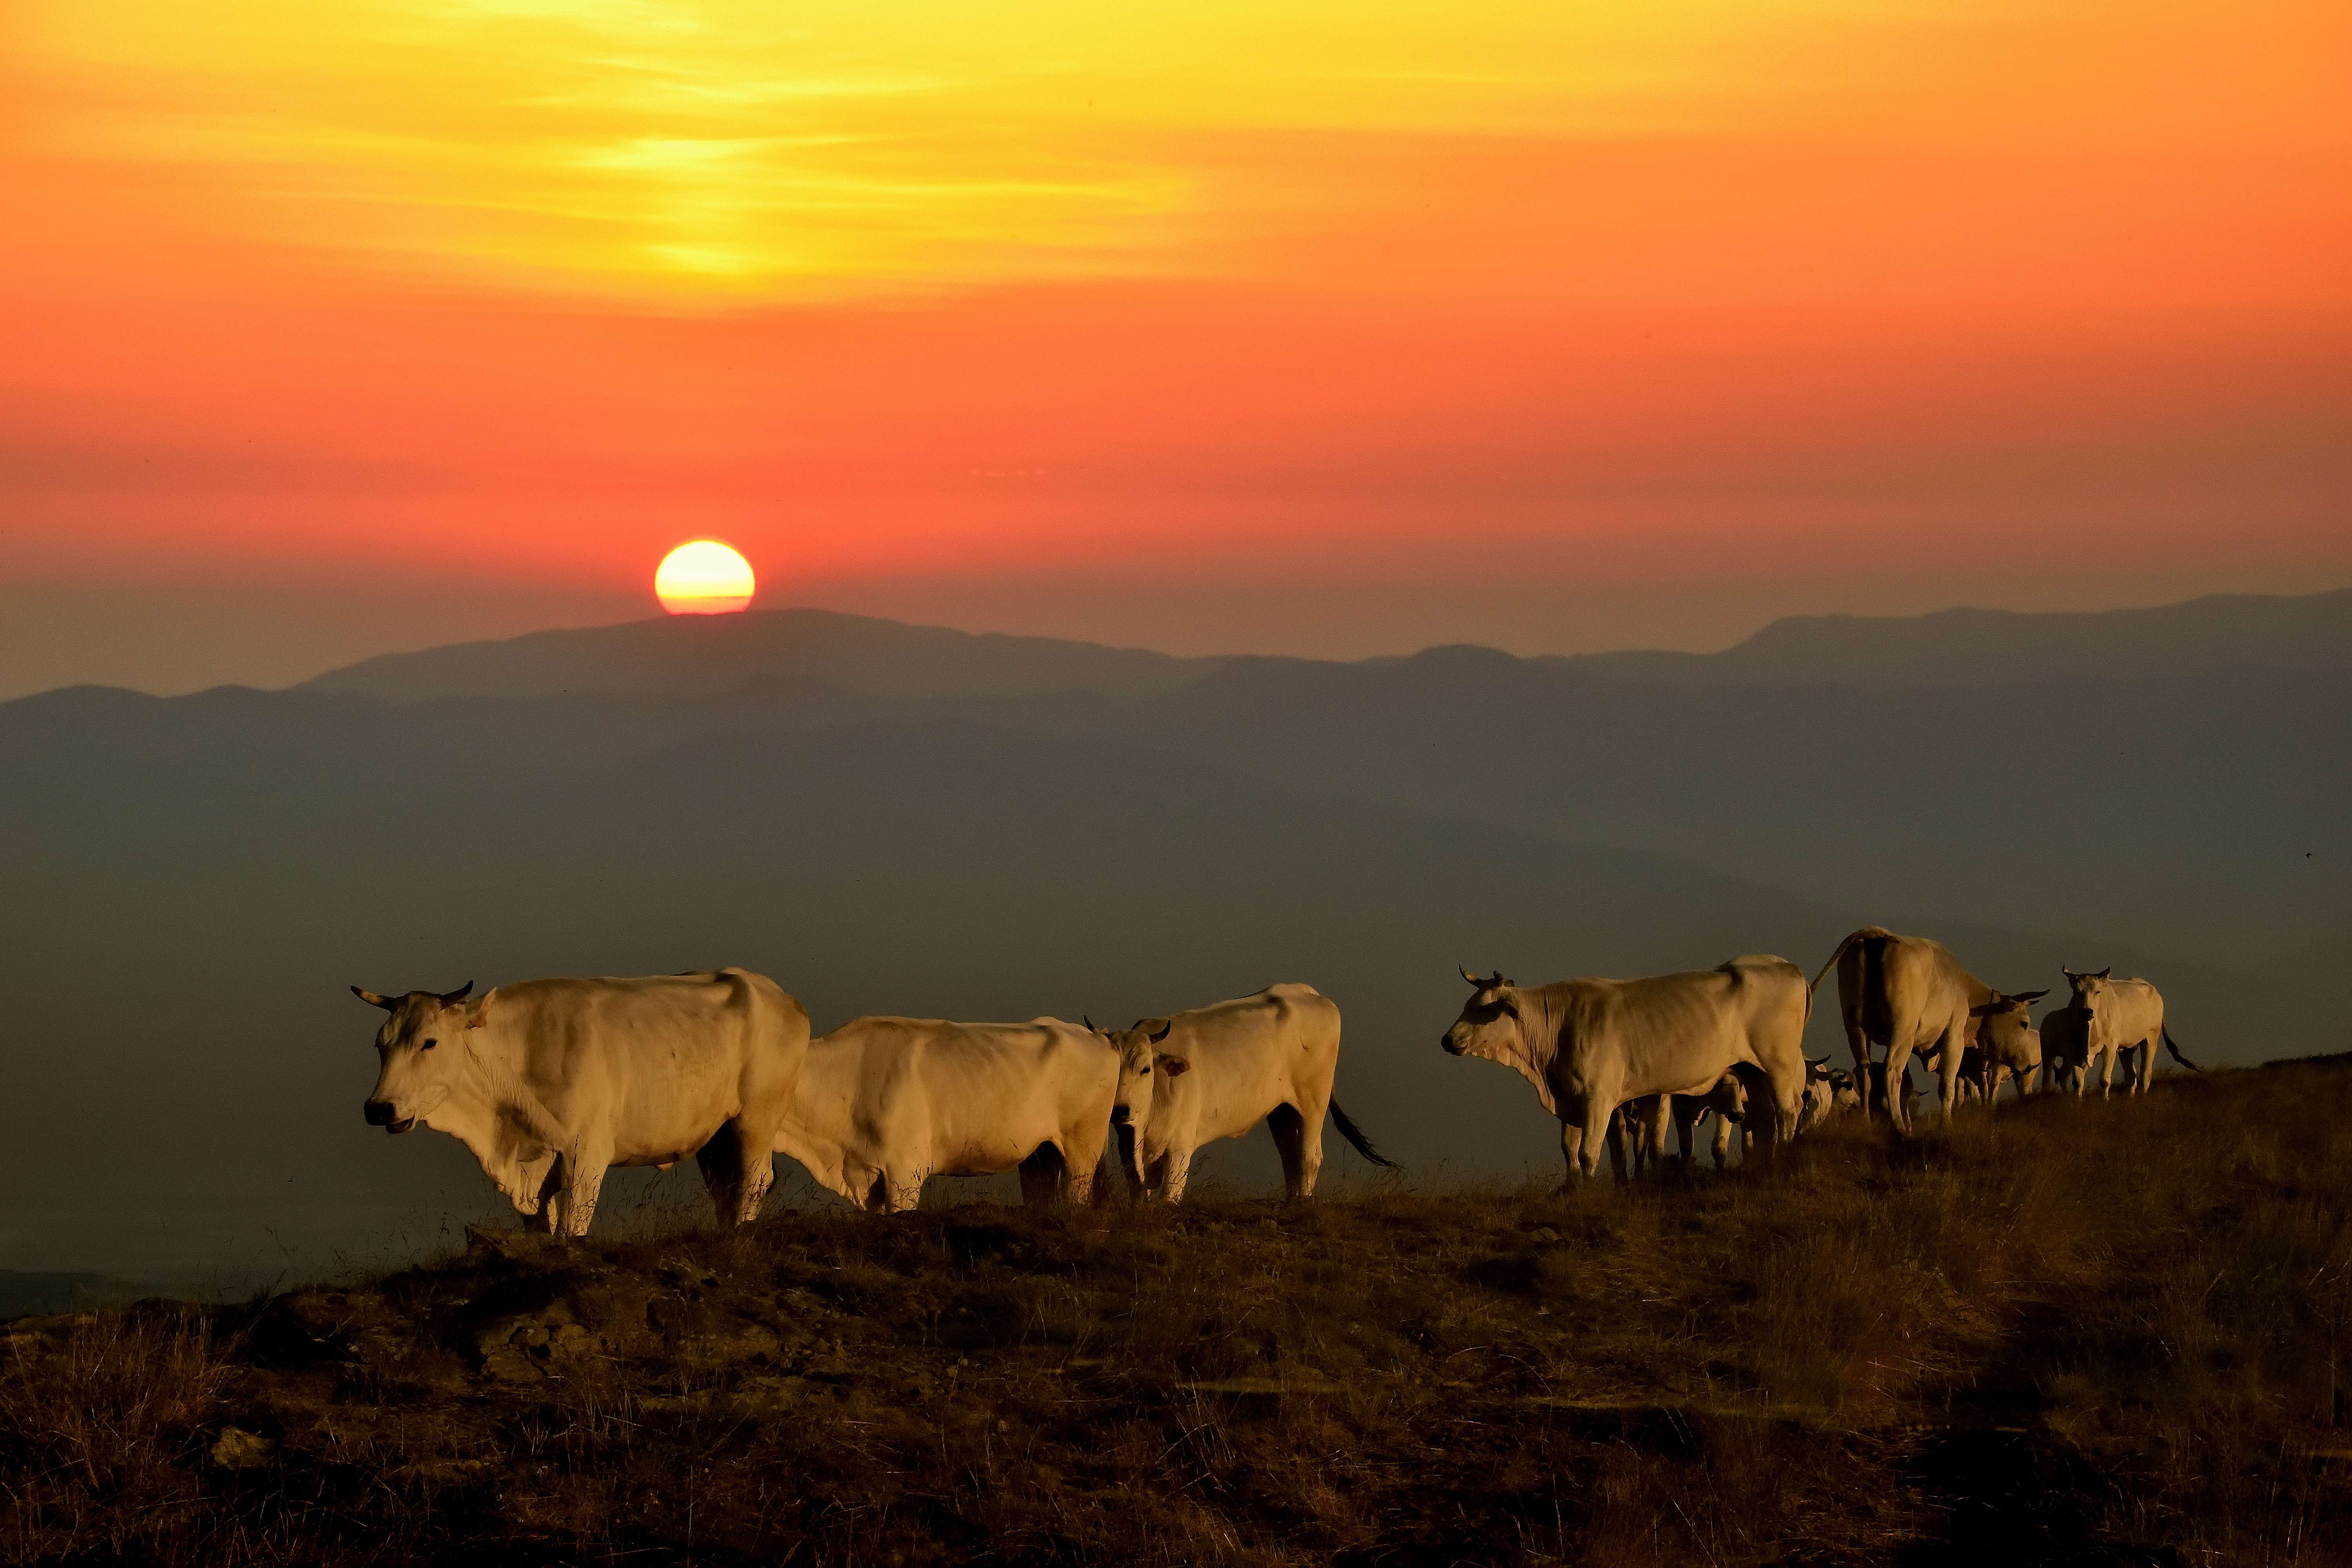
[
  {"x": 481, "y": 1010},
  {"x": 372, "y": 1000},
  {"x": 1175, "y": 1067},
  {"x": 1156, "y": 1030}
]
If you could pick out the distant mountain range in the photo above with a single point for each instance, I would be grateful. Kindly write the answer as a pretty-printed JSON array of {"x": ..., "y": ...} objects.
[
  {"x": 872, "y": 657},
  {"x": 2165, "y": 777},
  {"x": 907, "y": 819},
  {"x": 856, "y": 654},
  {"x": 2011, "y": 648}
]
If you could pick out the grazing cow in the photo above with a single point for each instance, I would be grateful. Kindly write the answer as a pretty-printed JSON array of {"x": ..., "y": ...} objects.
[
  {"x": 1589, "y": 1045},
  {"x": 1821, "y": 1094},
  {"x": 1913, "y": 994},
  {"x": 1218, "y": 1072},
  {"x": 888, "y": 1103},
  {"x": 1844, "y": 1094},
  {"x": 551, "y": 1082},
  {"x": 2065, "y": 1035},
  {"x": 2007, "y": 1045},
  {"x": 2121, "y": 1017},
  {"x": 1727, "y": 1104}
]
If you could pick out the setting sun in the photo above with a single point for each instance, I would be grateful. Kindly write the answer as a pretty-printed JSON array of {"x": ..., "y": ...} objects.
[{"x": 703, "y": 577}]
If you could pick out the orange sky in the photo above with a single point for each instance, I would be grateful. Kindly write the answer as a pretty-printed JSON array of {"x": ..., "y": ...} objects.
[{"x": 334, "y": 325}]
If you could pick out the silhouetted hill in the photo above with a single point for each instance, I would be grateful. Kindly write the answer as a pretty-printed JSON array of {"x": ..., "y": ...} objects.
[
  {"x": 704, "y": 653},
  {"x": 191, "y": 883},
  {"x": 2007, "y": 647}
]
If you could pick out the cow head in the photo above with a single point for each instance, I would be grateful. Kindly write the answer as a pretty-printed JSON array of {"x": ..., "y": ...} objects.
[
  {"x": 1142, "y": 1066},
  {"x": 2089, "y": 990},
  {"x": 1490, "y": 1025},
  {"x": 2005, "y": 1026},
  {"x": 423, "y": 1049}
]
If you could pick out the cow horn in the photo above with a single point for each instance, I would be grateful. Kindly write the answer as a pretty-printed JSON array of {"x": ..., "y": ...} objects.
[
  {"x": 372, "y": 1000},
  {"x": 2031, "y": 995},
  {"x": 1091, "y": 1023},
  {"x": 1470, "y": 977},
  {"x": 2103, "y": 973},
  {"x": 451, "y": 998}
]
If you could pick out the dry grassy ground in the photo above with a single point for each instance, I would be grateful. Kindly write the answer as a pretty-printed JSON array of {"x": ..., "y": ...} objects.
[{"x": 2087, "y": 1333}]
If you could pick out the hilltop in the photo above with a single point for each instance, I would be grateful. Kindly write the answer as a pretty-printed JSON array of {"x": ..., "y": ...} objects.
[{"x": 2084, "y": 1333}]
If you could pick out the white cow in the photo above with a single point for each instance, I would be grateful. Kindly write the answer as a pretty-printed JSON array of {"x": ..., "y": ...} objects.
[
  {"x": 1589, "y": 1045},
  {"x": 551, "y": 1082},
  {"x": 1218, "y": 1072},
  {"x": 2008, "y": 1047},
  {"x": 2120, "y": 1018},
  {"x": 1912, "y": 994},
  {"x": 887, "y": 1103}
]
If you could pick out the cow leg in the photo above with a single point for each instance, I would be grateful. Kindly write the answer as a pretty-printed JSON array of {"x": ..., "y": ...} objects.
[
  {"x": 1898, "y": 1062},
  {"x": 1179, "y": 1170},
  {"x": 1858, "y": 1044},
  {"x": 551, "y": 1199},
  {"x": 1572, "y": 1149},
  {"x": 901, "y": 1192},
  {"x": 1948, "y": 1075},
  {"x": 1299, "y": 1143},
  {"x": 1041, "y": 1176},
  {"x": 1086, "y": 1167},
  {"x": 738, "y": 1171},
  {"x": 583, "y": 1182},
  {"x": 1612, "y": 1132},
  {"x": 1601, "y": 1123},
  {"x": 1723, "y": 1129}
]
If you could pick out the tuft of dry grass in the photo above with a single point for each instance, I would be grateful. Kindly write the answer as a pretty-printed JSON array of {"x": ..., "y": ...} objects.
[{"x": 2115, "y": 1334}]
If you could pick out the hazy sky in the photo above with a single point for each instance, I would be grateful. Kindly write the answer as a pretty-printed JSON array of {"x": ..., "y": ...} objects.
[{"x": 329, "y": 326}]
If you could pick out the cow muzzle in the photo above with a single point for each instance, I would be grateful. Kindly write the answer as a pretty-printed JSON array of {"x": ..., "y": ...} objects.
[
  {"x": 1451, "y": 1047},
  {"x": 1120, "y": 1115},
  {"x": 379, "y": 1113}
]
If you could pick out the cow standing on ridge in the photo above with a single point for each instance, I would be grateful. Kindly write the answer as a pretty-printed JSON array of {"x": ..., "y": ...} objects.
[
  {"x": 888, "y": 1103},
  {"x": 1218, "y": 1072},
  {"x": 1911, "y": 993},
  {"x": 551, "y": 1082},
  {"x": 1589, "y": 1045},
  {"x": 2120, "y": 1018}
]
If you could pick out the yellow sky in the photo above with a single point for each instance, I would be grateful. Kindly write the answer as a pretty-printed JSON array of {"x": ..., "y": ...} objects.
[{"x": 725, "y": 149}]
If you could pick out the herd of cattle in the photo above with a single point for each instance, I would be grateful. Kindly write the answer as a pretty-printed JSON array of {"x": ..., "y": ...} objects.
[{"x": 551, "y": 1083}]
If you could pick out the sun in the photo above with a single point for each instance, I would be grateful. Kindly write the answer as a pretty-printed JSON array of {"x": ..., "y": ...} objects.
[{"x": 703, "y": 577}]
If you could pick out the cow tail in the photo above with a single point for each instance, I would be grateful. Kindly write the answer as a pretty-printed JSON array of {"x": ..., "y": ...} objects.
[
  {"x": 1355, "y": 1136},
  {"x": 2184, "y": 1061},
  {"x": 1850, "y": 938}
]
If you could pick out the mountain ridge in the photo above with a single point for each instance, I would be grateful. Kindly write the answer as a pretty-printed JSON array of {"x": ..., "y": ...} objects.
[{"x": 869, "y": 656}]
